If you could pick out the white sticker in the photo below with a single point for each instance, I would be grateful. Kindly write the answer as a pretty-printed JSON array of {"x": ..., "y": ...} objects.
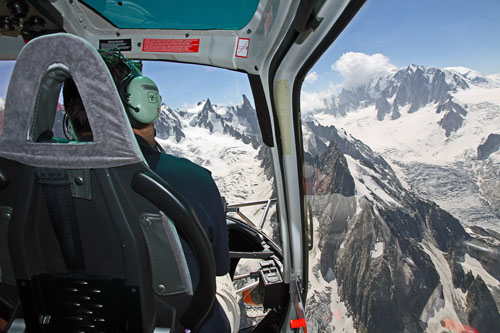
[{"x": 242, "y": 47}]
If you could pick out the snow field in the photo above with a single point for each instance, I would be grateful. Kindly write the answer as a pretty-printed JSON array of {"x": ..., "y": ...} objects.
[
  {"x": 365, "y": 185},
  {"x": 234, "y": 165}
]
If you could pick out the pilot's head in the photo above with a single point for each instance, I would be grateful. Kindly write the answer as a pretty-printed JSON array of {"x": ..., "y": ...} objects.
[{"x": 139, "y": 94}]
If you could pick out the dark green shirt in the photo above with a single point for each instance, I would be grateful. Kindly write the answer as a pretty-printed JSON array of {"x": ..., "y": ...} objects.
[{"x": 196, "y": 185}]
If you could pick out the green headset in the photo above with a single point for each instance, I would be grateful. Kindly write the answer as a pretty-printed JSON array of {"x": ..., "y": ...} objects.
[{"x": 140, "y": 96}]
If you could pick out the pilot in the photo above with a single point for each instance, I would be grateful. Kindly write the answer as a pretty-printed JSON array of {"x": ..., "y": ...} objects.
[{"x": 190, "y": 180}]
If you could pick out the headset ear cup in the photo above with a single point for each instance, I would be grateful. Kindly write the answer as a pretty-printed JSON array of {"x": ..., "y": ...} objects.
[
  {"x": 143, "y": 100},
  {"x": 68, "y": 128}
]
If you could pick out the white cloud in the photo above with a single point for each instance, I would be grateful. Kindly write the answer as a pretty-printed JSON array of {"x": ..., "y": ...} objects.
[
  {"x": 360, "y": 68},
  {"x": 311, "y": 78},
  {"x": 317, "y": 100}
]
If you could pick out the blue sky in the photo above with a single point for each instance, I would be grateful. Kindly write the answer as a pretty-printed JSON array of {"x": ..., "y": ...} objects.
[
  {"x": 187, "y": 84},
  {"x": 437, "y": 33},
  {"x": 440, "y": 33}
]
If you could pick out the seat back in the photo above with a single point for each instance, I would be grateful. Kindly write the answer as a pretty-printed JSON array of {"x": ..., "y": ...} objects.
[{"x": 89, "y": 248}]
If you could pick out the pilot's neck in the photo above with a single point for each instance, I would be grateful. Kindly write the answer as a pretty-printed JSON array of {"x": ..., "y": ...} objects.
[{"x": 147, "y": 133}]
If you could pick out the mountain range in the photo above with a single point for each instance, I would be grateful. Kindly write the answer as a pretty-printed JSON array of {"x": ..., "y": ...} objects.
[
  {"x": 407, "y": 149},
  {"x": 224, "y": 139},
  {"x": 438, "y": 128}
]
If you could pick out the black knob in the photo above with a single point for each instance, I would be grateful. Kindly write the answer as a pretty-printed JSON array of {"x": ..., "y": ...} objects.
[
  {"x": 35, "y": 24},
  {"x": 18, "y": 9}
]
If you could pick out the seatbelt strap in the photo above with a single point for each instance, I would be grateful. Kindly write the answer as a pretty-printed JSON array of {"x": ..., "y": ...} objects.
[{"x": 57, "y": 192}]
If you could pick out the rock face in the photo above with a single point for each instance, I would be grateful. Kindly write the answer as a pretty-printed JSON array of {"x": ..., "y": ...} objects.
[
  {"x": 383, "y": 107},
  {"x": 380, "y": 243},
  {"x": 335, "y": 178},
  {"x": 246, "y": 115},
  {"x": 453, "y": 117},
  {"x": 168, "y": 124},
  {"x": 482, "y": 312},
  {"x": 207, "y": 118},
  {"x": 239, "y": 122},
  {"x": 491, "y": 145}
]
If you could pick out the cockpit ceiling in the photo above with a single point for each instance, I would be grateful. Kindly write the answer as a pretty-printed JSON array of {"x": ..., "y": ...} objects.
[{"x": 182, "y": 15}]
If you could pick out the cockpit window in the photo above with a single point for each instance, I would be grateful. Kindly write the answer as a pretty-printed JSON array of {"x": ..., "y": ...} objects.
[
  {"x": 400, "y": 123},
  {"x": 208, "y": 116}
]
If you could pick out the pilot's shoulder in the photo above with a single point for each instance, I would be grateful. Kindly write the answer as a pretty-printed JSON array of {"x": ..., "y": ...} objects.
[{"x": 183, "y": 165}]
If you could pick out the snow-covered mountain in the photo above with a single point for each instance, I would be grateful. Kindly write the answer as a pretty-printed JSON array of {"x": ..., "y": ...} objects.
[
  {"x": 408, "y": 148},
  {"x": 169, "y": 125},
  {"x": 239, "y": 121},
  {"x": 386, "y": 259},
  {"x": 408, "y": 89},
  {"x": 224, "y": 139},
  {"x": 438, "y": 128}
]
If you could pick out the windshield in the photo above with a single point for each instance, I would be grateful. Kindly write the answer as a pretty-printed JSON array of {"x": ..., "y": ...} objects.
[
  {"x": 400, "y": 122},
  {"x": 209, "y": 117}
]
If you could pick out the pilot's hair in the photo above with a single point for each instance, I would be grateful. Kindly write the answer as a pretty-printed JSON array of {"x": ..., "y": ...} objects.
[{"x": 73, "y": 104}]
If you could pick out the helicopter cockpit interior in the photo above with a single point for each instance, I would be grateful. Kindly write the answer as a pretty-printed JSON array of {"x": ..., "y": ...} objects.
[{"x": 85, "y": 226}]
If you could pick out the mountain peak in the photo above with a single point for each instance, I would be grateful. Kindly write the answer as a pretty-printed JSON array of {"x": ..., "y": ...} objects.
[
  {"x": 412, "y": 68},
  {"x": 207, "y": 107},
  {"x": 245, "y": 100}
]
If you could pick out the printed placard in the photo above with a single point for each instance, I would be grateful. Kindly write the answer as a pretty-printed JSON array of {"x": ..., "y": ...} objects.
[{"x": 116, "y": 44}]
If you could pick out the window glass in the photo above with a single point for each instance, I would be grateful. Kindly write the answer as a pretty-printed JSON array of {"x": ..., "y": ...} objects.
[
  {"x": 209, "y": 117},
  {"x": 402, "y": 150}
]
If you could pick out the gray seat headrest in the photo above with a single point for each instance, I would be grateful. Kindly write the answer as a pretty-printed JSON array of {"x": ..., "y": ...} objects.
[{"x": 41, "y": 67}]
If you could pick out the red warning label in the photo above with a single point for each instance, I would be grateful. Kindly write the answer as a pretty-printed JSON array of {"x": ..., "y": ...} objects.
[{"x": 171, "y": 45}]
